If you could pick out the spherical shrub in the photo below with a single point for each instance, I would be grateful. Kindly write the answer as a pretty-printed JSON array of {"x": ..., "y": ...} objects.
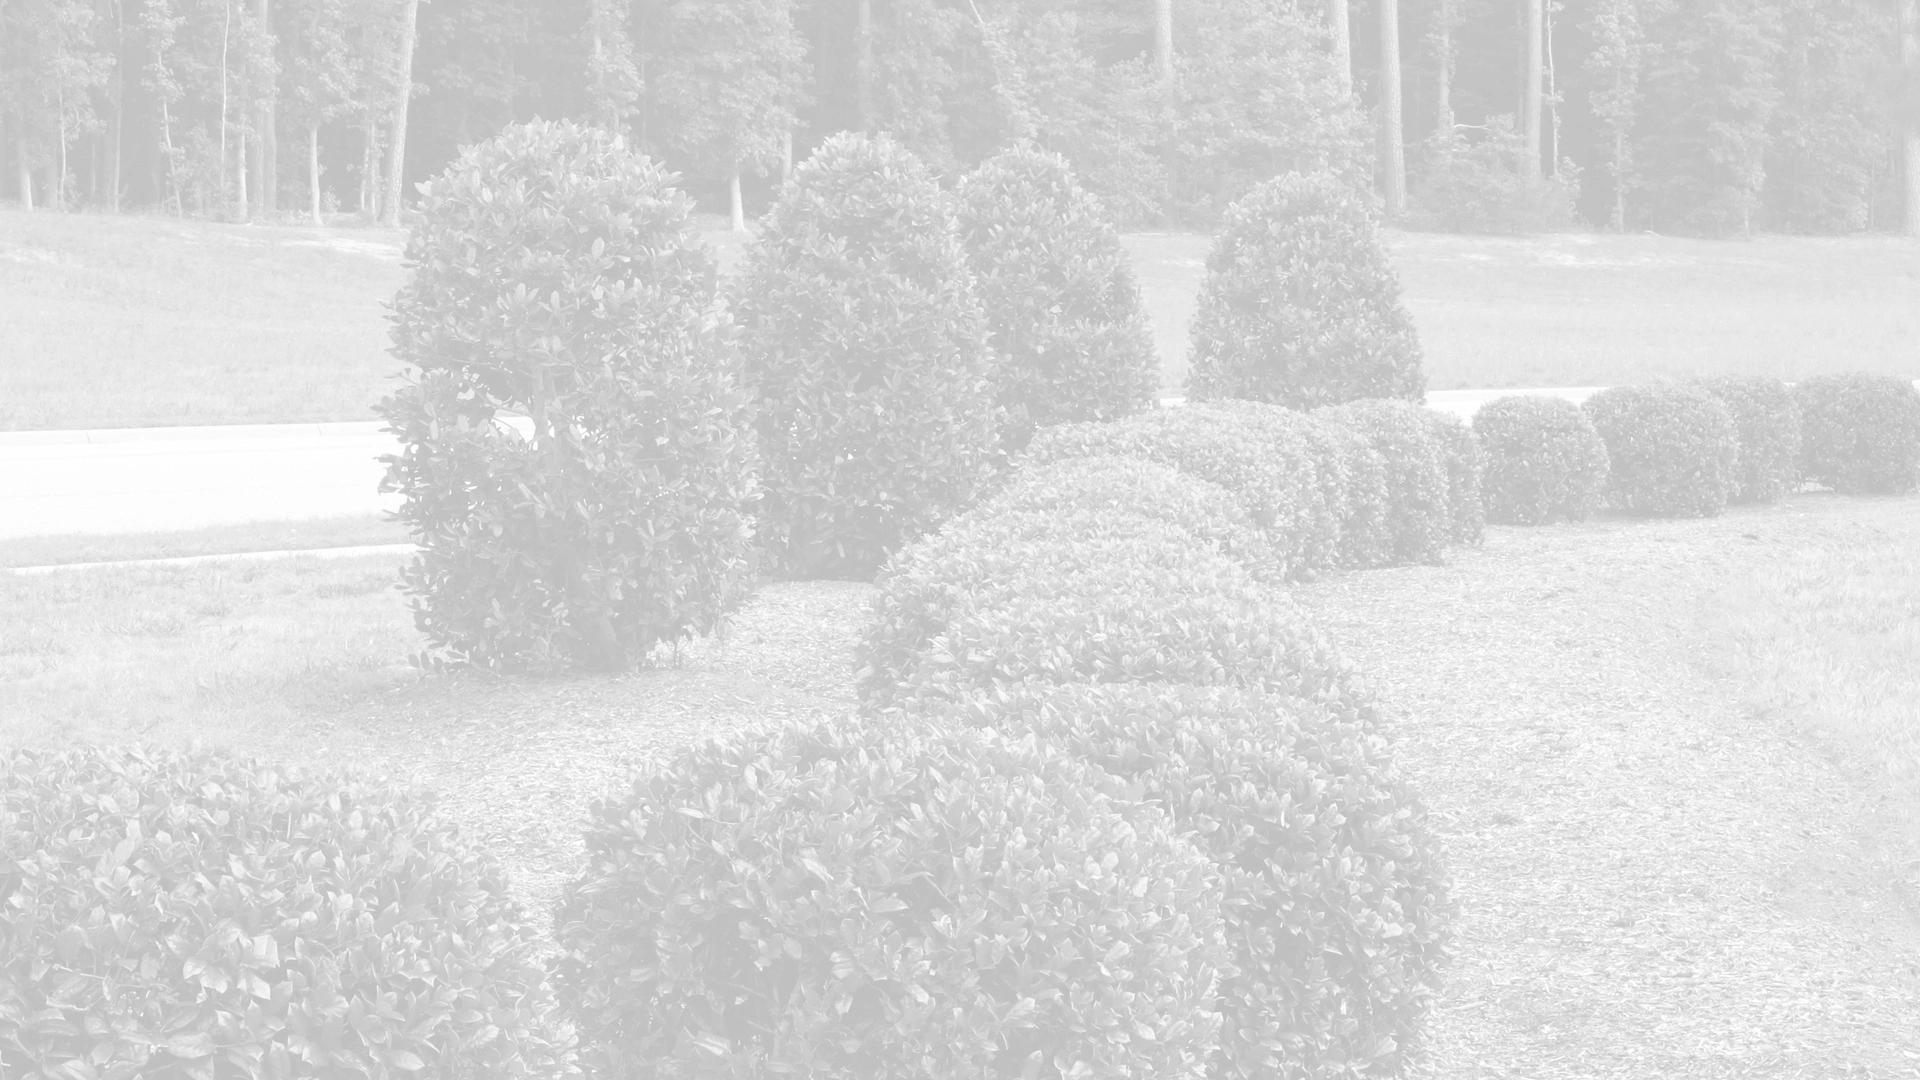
[
  {"x": 1362, "y": 495},
  {"x": 1465, "y": 463},
  {"x": 1300, "y": 306},
  {"x": 1069, "y": 331},
  {"x": 868, "y": 349},
  {"x": 1206, "y": 511},
  {"x": 1767, "y": 420},
  {"x": 1091, "y": 596},
  {"x": 1419, "y": 516},
  {"x": 855, "y": 901},
  {"x": 184, "y": 914},
  {"x": 1544, "y": 460},
  {"x": 1338, "y": 907},
  {"x": 1272, "y": 476},
  {"x": 1671, "y": 449},
  {"x": 1295, "y": 448},
  {"x": 1861, "y": 433},
  {"x": 557, "y": 275}
]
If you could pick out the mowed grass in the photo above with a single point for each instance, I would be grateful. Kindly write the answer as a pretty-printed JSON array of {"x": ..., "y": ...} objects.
[
  {"x": 137, "y": 321},
  {"x": 358, "y": 530}
]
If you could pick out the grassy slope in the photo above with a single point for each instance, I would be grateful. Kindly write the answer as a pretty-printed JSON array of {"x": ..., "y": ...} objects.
[{"x": 118, "y": 322}]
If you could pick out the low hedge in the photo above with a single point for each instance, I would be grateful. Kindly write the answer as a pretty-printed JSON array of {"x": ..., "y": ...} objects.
[
  {"x": 1544, "y": 461},
  {"x": 1293, "y": 443},
  {"x": 1671, "y": 449},
  {"x": 1861, "y": 433},
  {"x": 197, "y": 914},
  {"x": 1465, "y": 461},
  {"x": 1272, "y": 479},
  {"x": 857, "y": 900},
  {"x": 1090, "y": 596},
  {"x": 1338, "y": 909},
  {"x": 1419, "y": 521},
  {"x": 1766, "y": 419}
]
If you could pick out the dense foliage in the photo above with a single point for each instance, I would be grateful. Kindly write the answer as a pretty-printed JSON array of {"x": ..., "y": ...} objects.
[
  {"x": 1671, "y": 449},
  {"x": 1767, "y": 420},
  {"x": 557, "y": 276},
  {"x": 858, "y": 900},
  {"x": 1420, "y": 482},
  {"x": 1475, "y": 186},
  {"x": 1544, "y": 462},
  {"x": 1069, "y": 332},
  {"x": 1300, "y": 306},
  {"x": 1861, "y": 433},
  {"x": 193, "y": 914},
  {"x": 1460, "y": 449},
  {"x": 867, "y": 350},
  {"x": 1334, "y": 973}
]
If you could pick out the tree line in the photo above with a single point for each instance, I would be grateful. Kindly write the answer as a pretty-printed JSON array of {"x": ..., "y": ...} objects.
[{"x": 1710, "y": 117}]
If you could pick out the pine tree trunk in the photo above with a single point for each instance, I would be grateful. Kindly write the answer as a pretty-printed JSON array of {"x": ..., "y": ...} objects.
[
  {"x": 1529, "y": 161},
  {"x": 1163, "y": 39},
  {"x": 313, "y": 174},
  {"x": 266, "y": 170},
  {"x": 733, "y": 198},
  {"x": 1340, "y": 35},
  {"x": 240, "y": 179},
  {"x": 402, "y": 94},
  {"x": 863, "y": 64},
  {"x": 369, "y": 162},
  {"x": 25, "y": 169},
  {"x": 114, "y": 133},
  {"x": 786, "y": 155},
  {"x": 1910, "y": 52},
  {"x": 1393, "y": 159},
  {"x": 1443, "y": 93}
]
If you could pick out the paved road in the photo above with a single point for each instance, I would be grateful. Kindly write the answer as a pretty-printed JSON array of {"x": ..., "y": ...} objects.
[{"x": 155, "y": 479}]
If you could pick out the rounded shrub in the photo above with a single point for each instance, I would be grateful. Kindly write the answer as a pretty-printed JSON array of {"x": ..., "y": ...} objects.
[
  {"x": 1300, "y": 306},
  {"x": 1465, "y": 464},
  {"x": 183, "y": 914},
  {"x": 1092, "y": 596},
  {"x": 557, "y": 276},
  {"x": 1271, "y": 475},
  {"x": 1419, "y": 518},
  {"x": 1860, "y": 433},
  {"x": 1671, "y": 449},
  {"x": 867, "y": 347},
  {"x": 1354, "y": 476},
  {"x": 1069, "y": 331},
  {"x": 1338, "y": 907},
  {"x": 1295, "y": 448},
  {"x": 1767, "y": 421},
  {"x": 1544, "y": 462},
  {"x": 855, "y": 901}
]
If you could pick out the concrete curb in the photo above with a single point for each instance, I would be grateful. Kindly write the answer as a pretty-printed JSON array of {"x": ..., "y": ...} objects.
[
  {"x": 216, "y": 432},
  {"x": 190, "y": 560}
]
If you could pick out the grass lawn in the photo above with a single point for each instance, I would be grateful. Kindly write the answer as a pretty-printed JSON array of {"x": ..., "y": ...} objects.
[
  {"x": 135, "y": 321},
  {"x": 353, "y": 531},
  {"x": 1679, "y": 817}
]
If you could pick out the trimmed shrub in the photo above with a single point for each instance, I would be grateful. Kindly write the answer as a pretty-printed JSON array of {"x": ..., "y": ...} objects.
[
  {"x": 859, "y": 901},
  {"x": 1068, "y": 327},
  {"x": 1671, "y": 449},
  {"x": 1419, "y": 517},
  {"x": 1206, "y": 511},
  {"x": 196, "y": 914},
  {"x": 1861, "y": 433},
  {"x": 1767, "y": 421},
  {"x": 1094, "y": 596},
  {"x": 556, "y": 275},
  {"x": 1295, "y": 445},
  {"x": 868, "y": 349},
  {"x": 1300, "y": 306},
  {"x": 1465, "y": 462},
  {"x": 1366, "y": 530},
  {"x": 1338, "y": 908},
  {"x": 1544, "y": 460},
  {"x": 1273, "y": 477}
]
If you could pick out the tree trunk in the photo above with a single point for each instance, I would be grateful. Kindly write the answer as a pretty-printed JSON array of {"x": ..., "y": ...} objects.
[
  {"x": 369, "y": 162},
  {"x": 1443, "y": 93},
  {"x": 786, "y": 155},
  {"x": 1619, "y": 221},
  {"x": 25, "y": 169},
  {"x": 226, "y": 30},
  {"x": 60, "y": 136},
  {"x": 1529, "y": 161},
  {"x": 863, "y": 64},
  {"x": 1341, "y": 36},
  {"x": 313, "y": 174},
  {"x": 114, "y": 128},
  {"x": 1552, "y": 102},
  {"x": 266, "y": 170},
  {"x": 240, "y": 177},
  {"x": 402, "y": 94},
  {"x": 1163, "y": 39},
  {"x": 1393, "y": 159},
  {"x": 733, "y": 198},
  {"x": 1910, "y": 53}
]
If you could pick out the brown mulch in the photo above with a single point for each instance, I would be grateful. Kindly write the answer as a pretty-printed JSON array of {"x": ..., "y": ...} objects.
[{"x": 1652, "y": 882}]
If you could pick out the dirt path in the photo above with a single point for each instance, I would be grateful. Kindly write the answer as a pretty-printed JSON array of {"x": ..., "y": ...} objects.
[{"x": 1651, "y": 883}]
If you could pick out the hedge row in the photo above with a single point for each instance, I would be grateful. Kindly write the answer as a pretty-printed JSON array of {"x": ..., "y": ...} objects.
[{"x": 1689, "y": 448}]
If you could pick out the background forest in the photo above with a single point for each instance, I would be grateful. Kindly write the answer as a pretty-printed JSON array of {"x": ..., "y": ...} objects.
[{"x": 1699, "y": 117}]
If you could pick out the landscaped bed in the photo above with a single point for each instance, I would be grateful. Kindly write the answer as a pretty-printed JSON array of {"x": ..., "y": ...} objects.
[{"x": 1658, "y": 874}]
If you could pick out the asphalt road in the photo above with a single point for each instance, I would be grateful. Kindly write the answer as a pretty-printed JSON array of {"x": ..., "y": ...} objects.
[{"x": 158, "y": 479}]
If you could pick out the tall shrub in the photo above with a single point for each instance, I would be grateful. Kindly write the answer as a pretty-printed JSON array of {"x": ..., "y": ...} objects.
[
  {"x": 1069, "y": 332},
  {"x": 556, "y": 275},
  {"x": 868, "y": 350},
  {"x": 1300, "y": 306}
]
